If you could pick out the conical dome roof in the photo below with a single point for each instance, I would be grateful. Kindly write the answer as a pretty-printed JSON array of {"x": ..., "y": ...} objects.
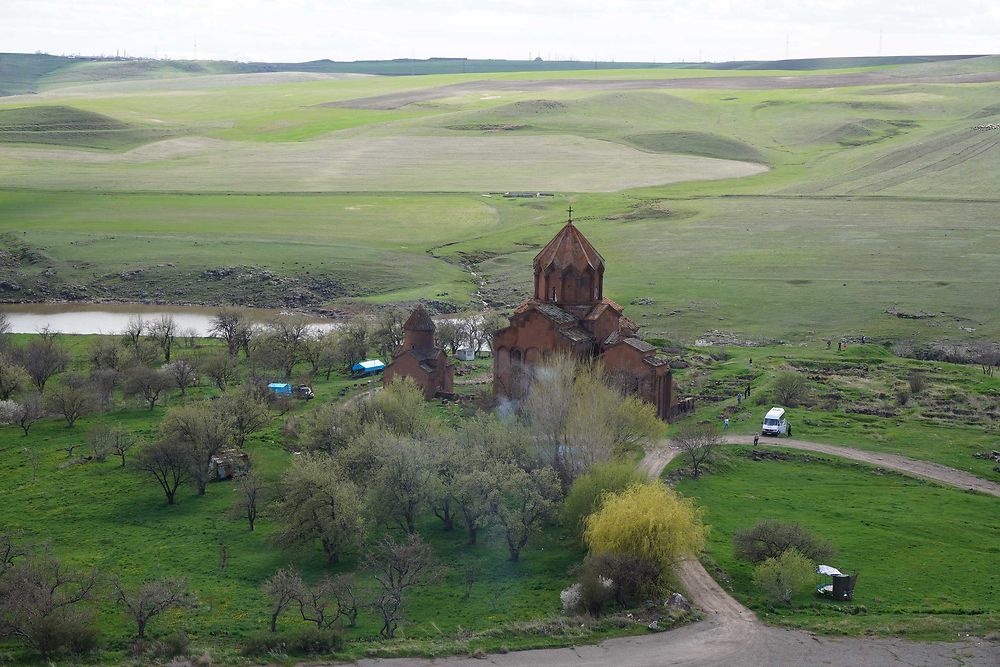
[
  {"x": 419, "y": 320},
  {"x": 569, "y": 248}
]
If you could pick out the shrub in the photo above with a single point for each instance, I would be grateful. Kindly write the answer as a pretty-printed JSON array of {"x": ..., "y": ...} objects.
[
  {"x": 916, "y": 381},
  {"x": 780, "y": 578},
  {"x": 634, "y": 579},
  {"x": 571, "y": 599},
  {"x": 902, "y": 396},
  {"x": 302, "y": 642},
  {"x": 790, "y": 388},
  {"x": 585, "y": 494},
  {"x": 596, "y": 590},
  {"x": 770, "y": 539},
  {"x": 72, "y": 632}
]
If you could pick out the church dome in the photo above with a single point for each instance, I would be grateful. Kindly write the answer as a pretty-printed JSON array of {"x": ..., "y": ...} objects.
[{"x": 569, "y": 249}]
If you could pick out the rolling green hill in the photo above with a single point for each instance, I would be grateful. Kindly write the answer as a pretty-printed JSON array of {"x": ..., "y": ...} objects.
[{"x": 843, "y": 195}]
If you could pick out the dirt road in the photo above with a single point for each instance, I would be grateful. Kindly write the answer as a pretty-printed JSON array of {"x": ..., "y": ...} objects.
[
  {"x": 731, "y": 634},
  {"x": 925, "y": 469}
]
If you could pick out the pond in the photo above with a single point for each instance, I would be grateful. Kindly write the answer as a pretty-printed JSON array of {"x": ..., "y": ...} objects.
[{"x": 111, "y": 318}]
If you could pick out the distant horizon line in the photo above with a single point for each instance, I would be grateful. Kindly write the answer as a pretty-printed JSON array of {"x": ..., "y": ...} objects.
[{"x": 539, "y": 59}]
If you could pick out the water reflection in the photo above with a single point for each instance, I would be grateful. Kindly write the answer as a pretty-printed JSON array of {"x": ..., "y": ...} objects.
[{"x": 73, "y": 318}]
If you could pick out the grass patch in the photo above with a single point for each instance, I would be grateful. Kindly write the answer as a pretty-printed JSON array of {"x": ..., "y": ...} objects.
[
  {"x": 904, "y": 537},
  {"x": 68, "y": 126},
  {"x": 696, "y": 143}
]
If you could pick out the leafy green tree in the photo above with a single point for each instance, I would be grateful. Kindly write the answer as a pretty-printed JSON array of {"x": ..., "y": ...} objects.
[
  {"x": 584, "y": 497},
  {"x": 523, "y": 501},
  {"x": 318, "y": 502},
  {"x": 790, "y": 388},
  {"x": 400, "y": 485}
]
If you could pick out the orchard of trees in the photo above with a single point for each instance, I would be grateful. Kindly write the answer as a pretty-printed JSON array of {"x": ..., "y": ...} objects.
[{"x": 369, "y": 482}]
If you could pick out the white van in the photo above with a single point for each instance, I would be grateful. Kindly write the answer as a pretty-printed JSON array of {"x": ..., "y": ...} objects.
[{"x": 774, "y": 422}]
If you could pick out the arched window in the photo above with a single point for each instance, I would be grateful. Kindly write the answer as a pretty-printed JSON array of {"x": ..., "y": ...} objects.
[{"x": 554, "y": 299}]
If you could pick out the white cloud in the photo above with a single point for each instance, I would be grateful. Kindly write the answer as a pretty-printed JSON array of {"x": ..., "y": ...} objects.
[{"x": 292, "y": 30}]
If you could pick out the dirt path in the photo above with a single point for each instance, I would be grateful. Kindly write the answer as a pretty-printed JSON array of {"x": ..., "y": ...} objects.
[
  {"x": 731, "y": 634},
  {"x": 925, "y": 469}
]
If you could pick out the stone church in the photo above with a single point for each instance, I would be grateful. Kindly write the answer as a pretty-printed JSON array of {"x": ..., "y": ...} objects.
[
  {"x": 570, "y": 313},
  {"x": 420, "y": 359}
]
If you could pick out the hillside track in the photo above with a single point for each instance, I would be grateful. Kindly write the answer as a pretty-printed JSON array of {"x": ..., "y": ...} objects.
[
  {"x": 925, "y": 469},
  {"x": 731, "y": 634},
  {"x": 401, "y": 99}
]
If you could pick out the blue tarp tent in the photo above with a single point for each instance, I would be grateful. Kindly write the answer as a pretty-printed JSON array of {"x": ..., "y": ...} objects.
[
  {"x": 281, "y": 388},
  {"x": 367, "y": 367}
]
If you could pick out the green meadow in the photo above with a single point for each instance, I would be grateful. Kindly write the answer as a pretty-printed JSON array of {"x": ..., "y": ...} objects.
[
  {"x": 792, "y": 214},
  {"x": 924, "y": 554}
]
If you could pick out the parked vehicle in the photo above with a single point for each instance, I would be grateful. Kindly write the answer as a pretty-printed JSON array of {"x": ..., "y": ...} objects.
[
  {"x": 303, "y": 392},
  {"x": 774, "y": 422}
]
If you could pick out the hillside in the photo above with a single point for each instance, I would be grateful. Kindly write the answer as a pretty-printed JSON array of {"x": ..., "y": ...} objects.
[{"x": 714, "y": 194}]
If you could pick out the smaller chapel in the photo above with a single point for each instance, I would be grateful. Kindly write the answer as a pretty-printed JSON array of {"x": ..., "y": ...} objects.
[
  {"x": 570, "y": 313},
  {"x": 420, "y": 359}
]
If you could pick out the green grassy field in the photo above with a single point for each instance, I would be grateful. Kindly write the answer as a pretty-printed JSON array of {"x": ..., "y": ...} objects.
[
  {"x": 99, "y": 515},
  {"x": 875, "y": 197},
  {"x": 853, "y": 401},
  {"x": 924, "y": 554}
]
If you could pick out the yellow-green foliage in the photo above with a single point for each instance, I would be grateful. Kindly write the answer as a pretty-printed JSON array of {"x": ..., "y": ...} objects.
[
  {"x": 647, "y": 521},
  {"x": 589, "y": 490}
]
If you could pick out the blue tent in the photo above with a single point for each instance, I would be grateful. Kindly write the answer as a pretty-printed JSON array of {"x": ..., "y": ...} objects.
[
  {"x": 368, "y": 366},
  {"x": 281, "y": 388}
]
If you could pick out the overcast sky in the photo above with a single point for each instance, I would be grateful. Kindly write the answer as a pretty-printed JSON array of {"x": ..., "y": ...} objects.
[{"x": 642, "y": 30}]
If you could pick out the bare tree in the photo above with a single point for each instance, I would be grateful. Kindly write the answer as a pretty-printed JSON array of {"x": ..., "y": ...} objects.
[
  {"x": 284, "y": 341},
  {"x": 183, "y": 374},
  {"x": 244, "y": 413},
  {"x": 151, "y": 599},
  {"x": 397, "y": 568},
  {"x": 38, "y": 592},
  {"x": 448, "y": 335},
  {"x": 164, "y": 331},
  {"x": 233, "y": 326},
  {"x": 352, "y": 342},
  {"x": 698, "y": 442},
  {"x": 44, "y": 357},
  {"x": 12, "y": 377},
  {"x": 167, "y": 461},
  {"x": 387, "y": 332},
  {"x": 250, "y": 495},
  {"x": 491, "y": 324},
  {"x": 205, "y": 432},
  {"x": 71, "y": 400},
  {"x": 222, "y": 368},
  {"x": 104, "y": 381},
  {"x": 146, "y": 383},
  {"x": 106, "y": 352},
  {"x": 115, "y": 440},
  {"x": 283, "y": 588},
  {"x": 133, "y": 331}
]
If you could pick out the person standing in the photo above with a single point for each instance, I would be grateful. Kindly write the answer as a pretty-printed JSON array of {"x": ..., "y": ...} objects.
[
  {"x": 756, "y": 439},
  {"x": 750, "y": 364},
  {"x": 747, "y": 394},
  {"x": 725, "y": 424}
]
